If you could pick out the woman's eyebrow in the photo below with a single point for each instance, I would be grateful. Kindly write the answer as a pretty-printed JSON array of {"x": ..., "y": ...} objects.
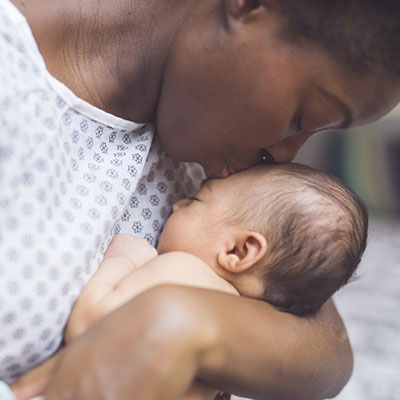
[{"x": 347, "y": 112}]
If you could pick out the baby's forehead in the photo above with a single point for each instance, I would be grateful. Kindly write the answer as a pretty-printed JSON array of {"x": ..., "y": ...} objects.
[
  {"x": 222, "y": 186},
  {"x": 266, "y": 177},
  {"x": 238, "y": 186},
  {"x": 266, "y": 180}
]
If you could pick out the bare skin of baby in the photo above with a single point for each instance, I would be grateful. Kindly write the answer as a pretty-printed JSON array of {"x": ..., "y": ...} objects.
[{"x": 131, "y": 266}]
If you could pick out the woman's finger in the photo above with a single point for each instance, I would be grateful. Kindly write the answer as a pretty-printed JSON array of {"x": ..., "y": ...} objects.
[
  {"x": 156, "y": 357},
  {"x": 35, "y": 382}
]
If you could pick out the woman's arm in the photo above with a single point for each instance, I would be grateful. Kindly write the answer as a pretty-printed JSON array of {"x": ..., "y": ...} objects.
[
  {"x": 255, "y": 351},
  {"x": 272, "y": 355},
  {"x": 117, "y": 281},
  {"x": 156, "y": 344}
]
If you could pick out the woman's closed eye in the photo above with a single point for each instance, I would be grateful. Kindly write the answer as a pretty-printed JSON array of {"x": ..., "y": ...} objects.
[
  {"x": 296, "y": 122},
  {"x": 267, "y": 157}
]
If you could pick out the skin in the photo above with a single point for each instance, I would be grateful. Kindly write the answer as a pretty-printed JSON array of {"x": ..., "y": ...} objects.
[
  {"x": 185, "y": 332},
  {"x": 130, "y": 267},
  {"x": 230, "y": 248},
  {"x": 222, "y": 88},
  {"x": 206, "y": 72}
]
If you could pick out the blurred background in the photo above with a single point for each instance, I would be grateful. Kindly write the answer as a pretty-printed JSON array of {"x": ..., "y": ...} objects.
[{"x": 368, "y": 160}]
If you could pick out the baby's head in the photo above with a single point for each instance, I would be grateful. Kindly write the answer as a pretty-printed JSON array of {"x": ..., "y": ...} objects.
[{"x": 286, "y": 233}]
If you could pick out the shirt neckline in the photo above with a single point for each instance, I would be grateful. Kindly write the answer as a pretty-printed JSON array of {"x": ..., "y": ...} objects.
[{"x": 65, "y": 93}]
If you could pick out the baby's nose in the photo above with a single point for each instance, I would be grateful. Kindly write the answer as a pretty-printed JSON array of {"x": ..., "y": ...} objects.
[{"x": 178, "y": 204}]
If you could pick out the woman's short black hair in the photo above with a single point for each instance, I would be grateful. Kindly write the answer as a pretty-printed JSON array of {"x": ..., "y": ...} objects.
[{"x": 364, "y": 35}]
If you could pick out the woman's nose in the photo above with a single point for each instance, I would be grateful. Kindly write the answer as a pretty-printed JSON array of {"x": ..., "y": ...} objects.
[{"x": 286, "y": 150}]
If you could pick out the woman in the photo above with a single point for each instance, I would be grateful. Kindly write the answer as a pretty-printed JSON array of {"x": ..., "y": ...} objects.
[{"x": 227, "y": 82}]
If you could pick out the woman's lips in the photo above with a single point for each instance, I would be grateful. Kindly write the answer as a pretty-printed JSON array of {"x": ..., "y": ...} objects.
[
  {"x": 224, "y": 172},
  {"x": 219, "y": 173}
]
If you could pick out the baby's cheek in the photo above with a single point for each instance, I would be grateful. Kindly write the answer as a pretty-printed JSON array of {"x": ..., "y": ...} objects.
[
  {"x": 163, "y": 241},
  {"x": 171, "y": 241},
  {"x": 169, "y": 236}
]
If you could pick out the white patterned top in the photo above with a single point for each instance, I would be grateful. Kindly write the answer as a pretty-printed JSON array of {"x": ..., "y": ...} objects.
[{"x": 71, "y": 176}]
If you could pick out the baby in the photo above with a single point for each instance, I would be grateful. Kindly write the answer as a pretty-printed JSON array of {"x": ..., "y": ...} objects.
[{"x": 286, "y": 234}]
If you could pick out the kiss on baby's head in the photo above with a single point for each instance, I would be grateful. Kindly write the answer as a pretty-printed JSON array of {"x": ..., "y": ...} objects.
[{"x": 284, "y": 233}]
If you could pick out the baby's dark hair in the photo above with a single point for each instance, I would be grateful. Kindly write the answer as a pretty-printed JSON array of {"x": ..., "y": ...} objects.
[
  {"x": 316, "y": 232},
  {"x": 364, "y": 35}
]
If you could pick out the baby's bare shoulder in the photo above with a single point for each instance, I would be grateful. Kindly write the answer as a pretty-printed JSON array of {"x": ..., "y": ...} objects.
[
  {"x": 183, "y": 256},
  {"x": 187, "y": 269}
]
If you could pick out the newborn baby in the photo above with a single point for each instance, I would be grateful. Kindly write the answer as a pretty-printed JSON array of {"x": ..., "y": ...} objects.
[{"x": 285, "y": 234}]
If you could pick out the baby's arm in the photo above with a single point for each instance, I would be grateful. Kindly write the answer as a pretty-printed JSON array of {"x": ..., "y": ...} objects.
[
  {"x": 125, "y": 254},
  {"x": 119, "y": 279},
  {"x": 121, "y": 276}
]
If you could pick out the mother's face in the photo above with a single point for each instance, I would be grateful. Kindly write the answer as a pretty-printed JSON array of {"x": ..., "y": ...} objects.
[{"x": 232, "y": 89}]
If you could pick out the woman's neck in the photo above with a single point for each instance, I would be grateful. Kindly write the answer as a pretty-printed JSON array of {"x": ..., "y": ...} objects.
[{"x": 109, "y": 53}]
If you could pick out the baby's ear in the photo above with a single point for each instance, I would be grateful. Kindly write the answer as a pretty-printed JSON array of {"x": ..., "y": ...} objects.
[{"x": 248, "y": 249}]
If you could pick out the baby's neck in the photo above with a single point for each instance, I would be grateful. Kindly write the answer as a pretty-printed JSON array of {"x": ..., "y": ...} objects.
[{"x": 246, "y": 283}]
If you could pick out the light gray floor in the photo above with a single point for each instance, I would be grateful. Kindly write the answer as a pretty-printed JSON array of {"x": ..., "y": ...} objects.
[{"x": 370, "y": 307}]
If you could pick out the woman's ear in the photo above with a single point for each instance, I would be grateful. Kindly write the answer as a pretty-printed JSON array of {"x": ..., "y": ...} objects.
[
  {"x": 248, "y": 249},
  {"x": 240, "y": 8}
]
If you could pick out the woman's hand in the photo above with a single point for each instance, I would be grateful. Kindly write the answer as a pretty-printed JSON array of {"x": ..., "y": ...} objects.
[
  {"x": 35, "y": 382},
  {"x": 150, "y": 349}
]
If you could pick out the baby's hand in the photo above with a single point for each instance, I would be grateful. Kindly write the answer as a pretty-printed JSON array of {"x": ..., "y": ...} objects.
[
  {"x": 125, "y": 254},
  {"x": 139, "y": 251}
]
